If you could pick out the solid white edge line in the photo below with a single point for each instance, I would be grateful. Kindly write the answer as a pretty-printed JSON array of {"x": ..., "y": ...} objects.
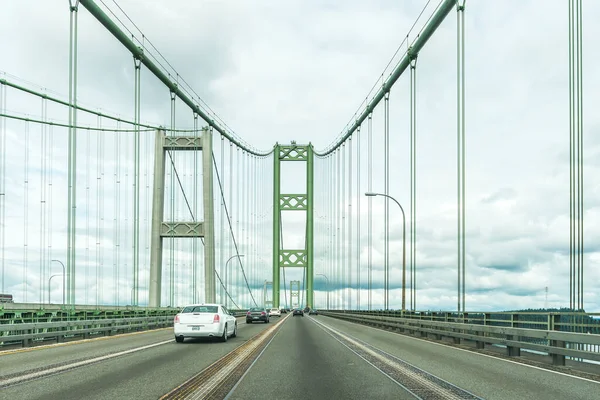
[
  {"x": 78, "y": 341},
  {"x": 367, "y": 345},
  {"x": 56, "y": 370},
  {"x": 474, "y": 352},
  {"x": 326, "y": 329}
]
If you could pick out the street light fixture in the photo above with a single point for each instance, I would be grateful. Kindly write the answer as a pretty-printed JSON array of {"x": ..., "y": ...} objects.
[
  {"x": 324, "y": 276},
  {"x": 226, "y": 263},
  {"x": 64, "y": 274},
  {"x": 372, "y": 194}
]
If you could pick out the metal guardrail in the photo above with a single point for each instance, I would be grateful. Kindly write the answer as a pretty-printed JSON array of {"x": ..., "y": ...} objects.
[
  {"x": 59, "y": 327},
  {"x": 28, "y": 333},
  {"x": 551, "y": 341}
]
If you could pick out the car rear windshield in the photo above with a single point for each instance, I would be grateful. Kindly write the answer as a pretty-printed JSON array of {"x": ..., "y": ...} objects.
[
  {"x": 201, "y": 309},
  {"x": 257, "y": 309}
]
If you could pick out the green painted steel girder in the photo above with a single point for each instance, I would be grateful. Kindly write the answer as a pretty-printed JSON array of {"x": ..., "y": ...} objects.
[
  {"x": 293, "y": 152},
  {"x": 293, "y": 258},
  {"x": 293, "y": 202}
]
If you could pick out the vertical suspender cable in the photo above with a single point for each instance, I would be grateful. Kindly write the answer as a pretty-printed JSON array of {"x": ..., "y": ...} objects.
[
  {"x": 237, "y": 222},
  {"x": 87, "y": 216},
  {"x": 99, "y": 184},
  {"x": 26, "y": 213},
  {"x": 3, "y": 90},
  {"x": 571, "y": 164},
  {"x": 580, "y": 130},
  {"x": 172, "y": 211},
  {"x": 413, "y": 184},
  {"x": 370, "y": 211},
  {"x": 195, "y": 182},
  {"x": 386, "y": 266},
  {"x": 72, "y": 150},
  {"x": 247, "y": 213},
  {"x": 136, "y": 185},
  {"x": 338, "y": 199},
  {"x": 343, "y": 256},
  {"x": 358, "y": 215},
  {"x": 225, "y": 299},
  {"x": 350, "y": 249},
  {"x": 44, "y": 172},
  {"x": 230, "y": 280},
  {"x": 117, "y": 217},
  {"x": 460, "y": 111},
  {"x": 576, "y": 262}
]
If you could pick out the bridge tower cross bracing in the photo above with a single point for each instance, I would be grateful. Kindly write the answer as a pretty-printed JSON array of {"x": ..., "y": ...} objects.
[
  {"x": 297, "y": 202},
  {"x": 173, "y": 229}
]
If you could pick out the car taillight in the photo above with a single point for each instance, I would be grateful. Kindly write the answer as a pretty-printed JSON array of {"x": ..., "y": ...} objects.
[
  {"x": 176, "y": 321},
  {"x": 216, "y": 319},
  {"x": 248, "y": 313},
  {"x": 262, "y": 313}
]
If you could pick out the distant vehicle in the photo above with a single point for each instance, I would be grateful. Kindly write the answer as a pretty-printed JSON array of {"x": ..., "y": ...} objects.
[
  {"x": 257, "y": 314},
  {"x": 283, "y": 311},
  {"x": 306, "y": 309},
  {"x": 313, "y": 312},
  {"x": 274, "y": 312},
  {"x": 6, "y": 298},
  {"x": 204, "y": 320},
  {"x": 298, "y": 311}
]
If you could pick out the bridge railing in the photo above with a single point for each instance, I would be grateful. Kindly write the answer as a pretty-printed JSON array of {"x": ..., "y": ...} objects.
[
  {"x": 31, "y": 324},
  {"x": 28, "y": 333},
  {"x": 561, "y": 335}
]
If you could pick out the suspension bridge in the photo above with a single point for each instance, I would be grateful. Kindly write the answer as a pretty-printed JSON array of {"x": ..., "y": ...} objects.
[{"x": 110, "y": 223}]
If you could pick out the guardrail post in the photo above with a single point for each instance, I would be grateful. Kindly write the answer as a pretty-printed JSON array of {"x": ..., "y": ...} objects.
[
  {"x": 512, "y": 350},
  {"x": 480, "y": 344},
  {"x": 27, "y": 342},
  {"x": 554, "y": 325},
  {"x": 456, "y": 340},
  {"x": 435, "y": 317},
  {"x": 423, "y": 333}
]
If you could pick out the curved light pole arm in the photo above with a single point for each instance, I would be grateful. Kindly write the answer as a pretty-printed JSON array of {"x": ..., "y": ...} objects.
[
  {"x": 371, "y": 194},
  {"x": 64, "y": 276}
]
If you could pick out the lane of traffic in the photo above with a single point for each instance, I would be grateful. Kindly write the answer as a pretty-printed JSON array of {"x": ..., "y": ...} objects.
[
  {"x": 485, "y": 376},
  {"x": 303, "y": 362},
  {"x": 33, "y": 358},
  {"x": 144, "y": 374}
]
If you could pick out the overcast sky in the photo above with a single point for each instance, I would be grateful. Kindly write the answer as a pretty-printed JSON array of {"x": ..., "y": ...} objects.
[{"x": 282, "y": 71}]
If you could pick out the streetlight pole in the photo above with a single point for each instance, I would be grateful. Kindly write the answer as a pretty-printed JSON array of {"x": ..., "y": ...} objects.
[
  {"x": 371, "y": 194},
  {"x": 226, "y": 263},
  {"x": 323, "y": 275},
  {"x": 64, "y": 274}
]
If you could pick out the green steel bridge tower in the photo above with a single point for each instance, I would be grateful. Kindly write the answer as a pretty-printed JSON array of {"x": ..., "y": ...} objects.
[{"x": 297, "y": 202}]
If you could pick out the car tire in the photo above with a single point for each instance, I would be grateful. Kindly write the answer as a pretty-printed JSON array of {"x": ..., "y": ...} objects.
[
  {"x": 248, "y": 321},
  {"x": 234, "y": 334},
  {"x": 179, "y": 339},
  {"x": 224, "y": 336}
]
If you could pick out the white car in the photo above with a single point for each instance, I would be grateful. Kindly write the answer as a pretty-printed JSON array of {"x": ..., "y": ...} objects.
[
  {"x": 274, "y": 312},
  {"x": 204, "y": 320}
]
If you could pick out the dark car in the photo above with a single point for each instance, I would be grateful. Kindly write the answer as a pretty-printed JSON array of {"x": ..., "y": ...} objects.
[
  {"x": 257, "y": 314},
  {"x": 313, "y": 312},
  {"x": 283, "y": 311},
  {"x": 298, "y": 311}
]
